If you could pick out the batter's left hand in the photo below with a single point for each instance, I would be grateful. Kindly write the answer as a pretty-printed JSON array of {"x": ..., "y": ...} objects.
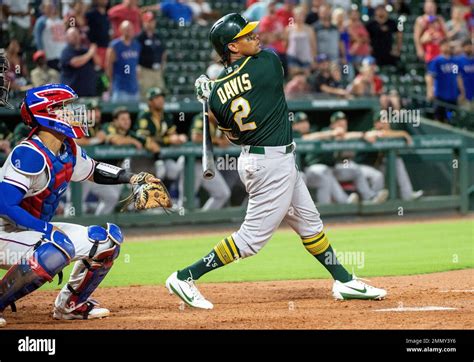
[{"x": 203, "y": 86}]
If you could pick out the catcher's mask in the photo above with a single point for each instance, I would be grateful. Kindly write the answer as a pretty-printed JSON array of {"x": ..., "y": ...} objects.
[{"x": 51, "y": 106}]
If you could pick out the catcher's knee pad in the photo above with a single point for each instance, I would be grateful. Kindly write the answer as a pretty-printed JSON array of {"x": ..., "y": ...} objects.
[
  {"x": 48, "y": 259},
  {"x": 316, "y": 244},
  {"x": 89, "y": 273},
  {"x": 53, "y": 255}
]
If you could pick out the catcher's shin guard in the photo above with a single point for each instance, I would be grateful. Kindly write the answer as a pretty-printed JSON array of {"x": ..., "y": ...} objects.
[
  {"x": 88, "y": 274},
  {"x": 48, "y": 259}
]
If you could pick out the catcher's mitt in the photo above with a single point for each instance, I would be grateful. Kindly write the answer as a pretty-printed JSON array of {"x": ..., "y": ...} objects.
[{"x": 148, "y": 192}]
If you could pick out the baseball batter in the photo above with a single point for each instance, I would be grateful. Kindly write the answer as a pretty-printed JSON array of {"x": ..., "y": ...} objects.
[{"x": 250, "y": 107}]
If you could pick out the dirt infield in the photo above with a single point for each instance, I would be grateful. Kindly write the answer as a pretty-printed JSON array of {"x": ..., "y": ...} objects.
[{"x": 304, "y": 304}]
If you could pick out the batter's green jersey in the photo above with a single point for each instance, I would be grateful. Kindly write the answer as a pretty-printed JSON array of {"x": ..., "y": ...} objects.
[{"x": 249, "y": 104}]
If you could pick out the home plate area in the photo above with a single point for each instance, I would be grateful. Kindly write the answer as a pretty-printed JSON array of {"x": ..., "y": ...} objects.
[{"x": 299, "y": 304}]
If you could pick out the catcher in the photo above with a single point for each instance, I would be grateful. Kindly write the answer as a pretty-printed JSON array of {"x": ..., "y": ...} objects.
[{"x": 33, "y": 179}]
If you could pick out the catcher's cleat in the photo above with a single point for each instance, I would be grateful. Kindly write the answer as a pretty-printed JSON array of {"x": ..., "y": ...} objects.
[
  {"x": 89, "y": 310},
  {"x": 3, "y": 321},
  {"x": 356, "y": 289},
  {"x": 187, "y": 291}
]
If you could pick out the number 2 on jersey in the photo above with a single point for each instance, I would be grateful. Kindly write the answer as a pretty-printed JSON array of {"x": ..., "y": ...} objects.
[{"x": 241, "y": 109}]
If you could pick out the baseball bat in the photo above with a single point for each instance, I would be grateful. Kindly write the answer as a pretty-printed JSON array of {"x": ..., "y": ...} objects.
[{"x": 208, "y": 167}]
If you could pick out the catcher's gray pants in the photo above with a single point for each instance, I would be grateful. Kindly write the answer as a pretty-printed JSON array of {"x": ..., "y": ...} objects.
[
  {"x": 217, "y": 188},
  {"x": 108, "y": 195},
  {"x": 321, "y": 177},
  {"x": 276, "y": 192},
  {"x": 403, "y": 179},
  {"x": 350, "y": 171}
]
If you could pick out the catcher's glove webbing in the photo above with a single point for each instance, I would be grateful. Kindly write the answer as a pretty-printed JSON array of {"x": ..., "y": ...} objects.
[{"x": 148, "y": 192}]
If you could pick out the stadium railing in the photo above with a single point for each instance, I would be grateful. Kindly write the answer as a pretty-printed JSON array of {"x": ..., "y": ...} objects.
[{"x": 458, "y": 199}]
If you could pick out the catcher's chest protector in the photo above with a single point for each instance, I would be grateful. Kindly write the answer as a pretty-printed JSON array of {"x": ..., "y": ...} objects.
[{"x": 43, "y": 205}]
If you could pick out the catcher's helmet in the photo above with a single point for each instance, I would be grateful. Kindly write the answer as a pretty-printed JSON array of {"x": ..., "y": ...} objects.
[
  {"x": 50, "y": 106},
  {"x": 227, "y": 29}
]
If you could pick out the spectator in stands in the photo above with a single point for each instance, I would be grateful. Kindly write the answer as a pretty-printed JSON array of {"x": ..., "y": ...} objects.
[
  {"x": 202, "y": 12},
  {"x": 344, "y": 169},
  {"x": 42, "y": 74},
  {"x": 285, "y": 12},
  {"x": 457, "y": 29},
  {"x": 301, "y": 52},
  {"x": 377, "y": 160},
  {"x": 257, "y": 10},
  {"x": 469, "y": 17},
  {"x": 327, "y": 78},
  {"x": 328, "y": 39},
  {"x": 152, "y": 56},
  {"x": 359, "y": 38},
  {"x": 422, "y": 24},
  {"x": 431, "y": 38},
  {"x": 367, "y": 83},
  {"x": 157, "y": 127},
  {"x": 444, "y": 83},
  {"x": 17, "y": 74},
  {"x": 383, "y": 31},
  {"x": 272, "y": 33},
  {"x": 339, "y": 21},
  {"x": 99, "y": 30},
  {"x": 313, "y": 14},
  {"x": 466, "y": 66},
  {"x": 50, "y": 34},
  {"x": 77, "y": 66},
  {"x": 122, "y": 61},
  {"x": 217, "y": 188},
  {"x": 178, "y": 11},
  {"x": 19, "y": 24},
  {"x": 127, "y": 10},
  {"x": 297, "y": 85},
  {"x": 76, "y": 17}
]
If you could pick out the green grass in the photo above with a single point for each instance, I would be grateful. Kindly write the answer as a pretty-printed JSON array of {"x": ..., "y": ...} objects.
[{"x": 387, "y": 250}]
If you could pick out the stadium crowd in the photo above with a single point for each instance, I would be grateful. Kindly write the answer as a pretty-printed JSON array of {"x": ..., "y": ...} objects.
[{"x": 112, "y": 52}]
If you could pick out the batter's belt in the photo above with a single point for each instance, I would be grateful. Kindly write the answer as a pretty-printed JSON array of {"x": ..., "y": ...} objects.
[{"x": 269, "y": 150}]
